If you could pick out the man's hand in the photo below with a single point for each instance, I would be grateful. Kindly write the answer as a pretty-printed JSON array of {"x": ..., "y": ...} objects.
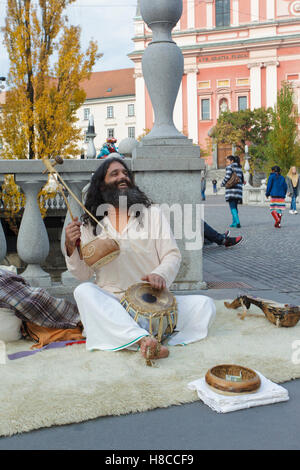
[
  {"x": 155, "y": 281},
  {"x": 72, "y": 235}
]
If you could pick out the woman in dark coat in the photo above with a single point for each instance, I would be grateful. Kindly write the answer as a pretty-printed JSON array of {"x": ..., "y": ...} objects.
[{"x": 234, "y": 195}]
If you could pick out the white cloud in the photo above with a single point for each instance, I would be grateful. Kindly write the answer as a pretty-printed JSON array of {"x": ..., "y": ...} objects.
[{"x": 109, "y": 22}]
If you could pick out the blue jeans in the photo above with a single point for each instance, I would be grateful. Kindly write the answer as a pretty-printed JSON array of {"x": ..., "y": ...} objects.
[
  {"x": 233, "y": 204},
  {"x": 293, "y": 201},
  {"x": 203, "y": 195},
  {"x": 213, "y": 236}
]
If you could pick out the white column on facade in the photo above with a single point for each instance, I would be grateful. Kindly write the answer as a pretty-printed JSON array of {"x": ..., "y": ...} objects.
[
  {"x": 140, "y": 104},
  {"x": 192, "y": 103},
  {"x": 270, "y": 9},
  {"x": 209, "y": 14},
  {"x": 271, "y": 83},
  {"x": 191, "y": 14},
  {"x": 255, "y": 85},
  {"x": 254, "y": 10},
  {"x": 178, "y": 115},
  {"x": 235, "y": 13}
]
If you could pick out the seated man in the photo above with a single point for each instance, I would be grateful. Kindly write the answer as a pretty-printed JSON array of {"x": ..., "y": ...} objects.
[
  {"x": 34, "y": 304},
  {"x": 221, "y": 239},
  {"x": 148, "y": 252}
]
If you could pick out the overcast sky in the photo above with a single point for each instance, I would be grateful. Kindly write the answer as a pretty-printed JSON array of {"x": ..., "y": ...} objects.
[{"x": 109, "y": 22}]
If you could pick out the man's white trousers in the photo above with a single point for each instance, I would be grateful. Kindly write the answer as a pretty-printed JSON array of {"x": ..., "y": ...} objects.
[{"x": 108, "y": 326}]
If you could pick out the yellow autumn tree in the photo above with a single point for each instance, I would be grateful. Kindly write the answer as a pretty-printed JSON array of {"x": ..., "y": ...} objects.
[
  {"x": 46, "y": 69},
  {"x": 47, "y": 66}
]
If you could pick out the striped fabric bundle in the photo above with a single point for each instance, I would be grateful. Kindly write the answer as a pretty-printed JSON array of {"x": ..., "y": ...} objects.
[{"x": 34, "y": 304}]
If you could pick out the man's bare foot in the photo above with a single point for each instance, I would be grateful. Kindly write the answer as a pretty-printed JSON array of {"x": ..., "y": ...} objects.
[{"x": 152, "y": 349}]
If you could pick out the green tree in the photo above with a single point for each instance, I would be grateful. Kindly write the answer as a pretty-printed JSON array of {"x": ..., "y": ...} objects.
[
  {"x": 39, "y": 116},
  {"x": 283, "y": 147},
  {"x": 245, "y": 127}
]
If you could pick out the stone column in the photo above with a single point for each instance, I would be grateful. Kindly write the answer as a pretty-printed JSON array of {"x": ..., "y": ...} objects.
[
  {"x": 270, "y": 9},
  {"x": 192, "y": 103},
  {"x": 90, "y": 135},
  {"x": 271, "y": 82},
  {"x": 254, "y": 6},
  {"x": 140, "y": 103},
  {"x": 76, "y": 184},
  {"x": 191, "y": 14},
  {"x": 235, "y": 13},
  {"x": 165, "y": 57},
  {"x": 33, "y": 241},
  {"x": 3, "y": 246},
  {"x": 255, "y": 81},
  {"x": 167, "y": 166},
  {"x": 209, "y": 14}
]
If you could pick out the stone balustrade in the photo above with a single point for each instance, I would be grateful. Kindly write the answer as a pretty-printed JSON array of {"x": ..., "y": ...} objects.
[{"x": 33, "y": 241}]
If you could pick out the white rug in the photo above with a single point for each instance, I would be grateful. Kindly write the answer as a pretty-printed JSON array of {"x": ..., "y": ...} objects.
[{"x": 71, "y": 385}]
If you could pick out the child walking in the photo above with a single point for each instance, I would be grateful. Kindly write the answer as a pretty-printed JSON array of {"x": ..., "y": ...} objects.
[{"x": 277, "y": 189}]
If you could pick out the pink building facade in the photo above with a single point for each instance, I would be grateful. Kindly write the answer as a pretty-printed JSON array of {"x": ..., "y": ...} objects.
[{"x": 236, "y": 54}]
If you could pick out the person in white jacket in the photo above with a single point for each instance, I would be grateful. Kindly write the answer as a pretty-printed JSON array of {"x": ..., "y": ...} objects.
[{"x": 148, "y": 252}]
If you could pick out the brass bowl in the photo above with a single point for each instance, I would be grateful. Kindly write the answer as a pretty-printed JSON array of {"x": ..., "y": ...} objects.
[{"x": 248, "y": 381}]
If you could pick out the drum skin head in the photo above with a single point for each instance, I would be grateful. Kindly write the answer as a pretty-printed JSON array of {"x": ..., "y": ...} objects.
[{"x": 147, "y": 297}]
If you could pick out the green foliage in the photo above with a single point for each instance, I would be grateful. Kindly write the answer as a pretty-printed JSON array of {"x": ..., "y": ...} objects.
[
  {"x": 246, "y": 127},
  {"x": 283, "y": 146}
]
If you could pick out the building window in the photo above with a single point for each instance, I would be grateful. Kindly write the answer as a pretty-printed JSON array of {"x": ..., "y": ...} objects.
[
  {"x": 110, "y": 133},
  {"x": 110, "y": 112},
  {"x": 242, "y": 103},
  {"x": 204, "y": 84},
  {"x": 86, "y": 114},
  {"x": 205, "y": 109},
  {"x": 223, "y": 83},
  {"x": 222, "y": 13},
  {"x": 242, "y": 81},
  {"x": 131, "y": 132},
  {"x": 131, "y": 110}
]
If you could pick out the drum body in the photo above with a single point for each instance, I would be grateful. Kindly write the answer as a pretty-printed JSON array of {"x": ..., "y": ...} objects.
[
  {"x": 99, "y": 252},
  {"x": 154, "y": 310}
]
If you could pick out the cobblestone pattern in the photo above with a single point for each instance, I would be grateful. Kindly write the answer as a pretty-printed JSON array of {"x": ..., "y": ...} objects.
[{"x": 267, "y": 255}]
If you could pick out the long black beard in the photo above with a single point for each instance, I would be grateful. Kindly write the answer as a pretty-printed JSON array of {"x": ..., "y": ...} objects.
[{"x": 126, "y": 197}]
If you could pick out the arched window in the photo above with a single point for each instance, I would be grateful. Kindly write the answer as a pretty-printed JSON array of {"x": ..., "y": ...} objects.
[{"x": 222, "y": 13}]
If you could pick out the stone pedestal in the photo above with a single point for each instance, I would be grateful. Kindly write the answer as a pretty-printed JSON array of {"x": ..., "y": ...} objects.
[{"x": 174, "y": 183}]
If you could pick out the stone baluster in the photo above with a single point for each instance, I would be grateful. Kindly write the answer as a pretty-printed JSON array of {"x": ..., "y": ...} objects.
[
  {"x": 90, "y": 135},
  {"x": 76, "y": 186},
  {"x": 33, "y": 242},
  {"x": 162, "y": 65},
  {"x": 3, "y": 245}
]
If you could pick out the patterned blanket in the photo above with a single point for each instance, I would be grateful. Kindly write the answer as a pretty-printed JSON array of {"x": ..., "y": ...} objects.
[{"x": 34, "y": 304}]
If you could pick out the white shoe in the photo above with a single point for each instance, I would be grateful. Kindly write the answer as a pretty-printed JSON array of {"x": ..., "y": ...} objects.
[
  {"x": 291, "y": 212},
  {"x": 295, "y": 212}
]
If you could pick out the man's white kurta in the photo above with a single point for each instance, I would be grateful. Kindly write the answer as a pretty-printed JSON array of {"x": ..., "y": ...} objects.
[{"x": 147, "y": 246}]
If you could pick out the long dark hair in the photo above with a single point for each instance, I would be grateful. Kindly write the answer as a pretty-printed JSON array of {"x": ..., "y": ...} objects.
[{"x": 94, "y": 197}]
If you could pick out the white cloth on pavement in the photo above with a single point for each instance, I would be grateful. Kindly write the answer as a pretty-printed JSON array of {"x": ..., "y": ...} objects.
[{"x": 268, "y": 393}]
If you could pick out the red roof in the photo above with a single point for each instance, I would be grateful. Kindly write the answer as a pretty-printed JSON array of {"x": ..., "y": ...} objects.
[{"x": 110, "y": 83}]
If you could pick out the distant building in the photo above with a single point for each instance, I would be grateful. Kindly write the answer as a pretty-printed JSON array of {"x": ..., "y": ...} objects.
[
  {"x": 110, "y": 98},
  {"x": 236, "y": 54}
]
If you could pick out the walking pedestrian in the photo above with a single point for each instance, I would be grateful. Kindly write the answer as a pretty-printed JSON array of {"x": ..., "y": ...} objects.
[
  {"x": 293, "y": 184},
  {"x": 203, "y": 187},
  {"x": 215, "y": 189},
  {"x": 276, "y": 188},
  {"x": 233, "y": 182}
]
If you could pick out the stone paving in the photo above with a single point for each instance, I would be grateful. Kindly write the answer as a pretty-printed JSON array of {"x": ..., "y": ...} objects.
[{"x": 267, "y": 261}]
